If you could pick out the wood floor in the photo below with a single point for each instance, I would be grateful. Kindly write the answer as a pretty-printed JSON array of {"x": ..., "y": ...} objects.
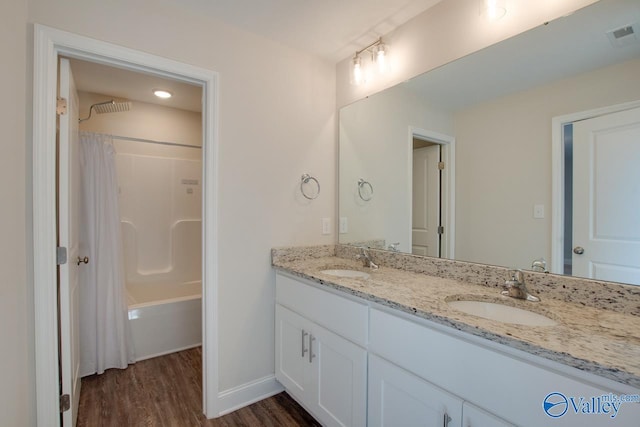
[{"x": 167, "y": 391}]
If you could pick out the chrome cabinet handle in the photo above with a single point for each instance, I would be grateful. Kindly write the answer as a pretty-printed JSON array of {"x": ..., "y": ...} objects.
[
  {"x": 304, "y": 350},
  {"x": 446, "y": 420},
  {"x": 578, "y": 250},
  {"x": 311, "y": 355},
  {"x": 83, "y": 260}
]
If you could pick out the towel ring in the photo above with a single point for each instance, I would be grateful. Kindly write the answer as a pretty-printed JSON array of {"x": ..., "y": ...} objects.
[
  {"x": 305, "y": 180},
  {"x": 362, "y": 183}
]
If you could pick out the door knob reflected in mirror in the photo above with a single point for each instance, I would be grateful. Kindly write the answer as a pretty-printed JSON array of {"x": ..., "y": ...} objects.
[
  {"x": 83, "y": 260},
  {"x": 578, "y": 250}
]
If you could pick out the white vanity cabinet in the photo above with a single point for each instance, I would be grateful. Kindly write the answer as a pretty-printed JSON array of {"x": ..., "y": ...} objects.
[
  {"x": 498, "y": 389},
  {"x": 355, "y": 363},
  {"x": 321, "y": 368}
]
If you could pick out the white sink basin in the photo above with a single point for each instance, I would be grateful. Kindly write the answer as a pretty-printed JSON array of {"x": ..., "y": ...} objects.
[
  {"x": 502, "y": 313},
  {"x": 346, "y": 273}
]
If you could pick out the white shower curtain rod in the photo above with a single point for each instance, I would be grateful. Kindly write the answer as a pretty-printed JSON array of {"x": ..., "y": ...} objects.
[{"x": 151, "y": 141}]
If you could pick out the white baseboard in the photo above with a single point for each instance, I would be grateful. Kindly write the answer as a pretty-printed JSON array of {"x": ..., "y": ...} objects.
[{"x": 246, "y": 394}]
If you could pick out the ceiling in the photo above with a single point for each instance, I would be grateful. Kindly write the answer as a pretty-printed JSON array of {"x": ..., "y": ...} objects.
[
  {"x": 577, "y": 43},
  {"x": 565, "y": 47},
  {"x": 135, "y": 86},
  {"x": 330, "y": 29}
]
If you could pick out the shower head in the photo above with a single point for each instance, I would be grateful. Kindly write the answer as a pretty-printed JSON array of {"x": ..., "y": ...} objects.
[{"x": 112, "y": 106}]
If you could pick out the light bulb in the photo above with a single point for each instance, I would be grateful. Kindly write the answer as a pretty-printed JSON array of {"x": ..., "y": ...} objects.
[
  {"x": 493, "y": 9},
  {"x": 357, "y": 76},
  {"x": 382, "y": 59}
]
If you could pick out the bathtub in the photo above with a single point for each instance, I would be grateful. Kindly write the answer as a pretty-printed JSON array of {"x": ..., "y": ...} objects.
[{"x": 164, "y": 317}]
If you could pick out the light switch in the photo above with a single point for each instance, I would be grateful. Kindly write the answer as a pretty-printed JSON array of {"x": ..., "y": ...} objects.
[
  {"x": 344, "y": 225},
  {"x": 326, "y": 225},
  {"x": 538, "y": 211}
]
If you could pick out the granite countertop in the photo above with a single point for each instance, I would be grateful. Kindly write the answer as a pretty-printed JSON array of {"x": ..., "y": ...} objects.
[{"x": 596, "y": 340}]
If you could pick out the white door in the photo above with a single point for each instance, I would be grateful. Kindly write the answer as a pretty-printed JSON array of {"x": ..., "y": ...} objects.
[
  {"x": 400, "y": 399},
  {"x": 68, "y": 218},
  {"x": 606, "y": 197},
  {"x": 426, "y": 201},
  {"x": 339, "y": 389},
  {"x": 292, "y": 351}
]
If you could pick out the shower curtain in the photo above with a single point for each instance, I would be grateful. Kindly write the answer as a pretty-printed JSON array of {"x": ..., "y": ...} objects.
[{"x": 105, "y": 337}]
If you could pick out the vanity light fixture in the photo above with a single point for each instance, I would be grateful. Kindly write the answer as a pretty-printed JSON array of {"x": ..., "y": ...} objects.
[
  {"x": 493, "y": 9},
  {"x": 161, "y": 93},
  {"x": 361, "y": 73}
]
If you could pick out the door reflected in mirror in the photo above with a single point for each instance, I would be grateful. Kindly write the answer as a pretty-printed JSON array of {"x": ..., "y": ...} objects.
[{"x": 425, "y": 194}]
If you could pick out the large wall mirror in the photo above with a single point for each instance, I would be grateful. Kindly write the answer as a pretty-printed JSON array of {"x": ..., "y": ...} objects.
[{"x": 528, "y": 150}]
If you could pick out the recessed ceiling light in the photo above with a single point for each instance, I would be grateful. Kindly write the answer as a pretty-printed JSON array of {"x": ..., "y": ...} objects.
[{"x": 161, "y": 93}]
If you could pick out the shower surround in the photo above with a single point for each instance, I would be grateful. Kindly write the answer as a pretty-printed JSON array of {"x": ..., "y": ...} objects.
[{"x": 160, "y": 216}]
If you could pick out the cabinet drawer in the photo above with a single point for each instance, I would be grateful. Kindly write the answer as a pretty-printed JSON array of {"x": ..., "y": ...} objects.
[{"x": 340, "y": 315}]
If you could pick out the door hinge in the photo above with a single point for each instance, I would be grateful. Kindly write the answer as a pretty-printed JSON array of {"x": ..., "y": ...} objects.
[
  {"x": 61, "y": 107},
  {"x": 65, "y": 403},
  {"x": 441, "y": 166},
  {"x": 440, "y": 230},
  {"x": 61, "y": 255}
]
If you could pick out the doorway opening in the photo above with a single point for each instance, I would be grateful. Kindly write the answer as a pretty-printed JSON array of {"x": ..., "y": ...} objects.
[
  {"x": 432, "y": 181},
  {"x": 567, "y": 136},
  {"x": 50, "y": 45},
  {"x": 138, "y": 192},
  {"x": 594, "y": 226}
]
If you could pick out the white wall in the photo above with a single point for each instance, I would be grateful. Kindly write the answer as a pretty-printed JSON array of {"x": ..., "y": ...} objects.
[
  {"x": 143, "y": 120},
  {"x": 448, "y": 31},
  {"x": 16, "y": 307},
  {"x": 503, "y": 163},
  {"x": 375, "y": 146},
  {"x": 277, "y": 121}
]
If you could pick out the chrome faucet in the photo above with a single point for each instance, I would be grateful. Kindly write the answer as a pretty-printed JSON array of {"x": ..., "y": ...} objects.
[
  {"x": 393, "y": 246},
  {"x": 366, "y": 258},
  {"x": 539, "y": 265},
  {"x": 515, "y": 287}
]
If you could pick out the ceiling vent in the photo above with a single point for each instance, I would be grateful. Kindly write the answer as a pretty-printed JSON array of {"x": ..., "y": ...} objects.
[{"x": 624, "y": 35}]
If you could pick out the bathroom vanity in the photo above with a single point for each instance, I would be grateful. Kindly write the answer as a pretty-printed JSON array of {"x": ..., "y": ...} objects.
[{"x": 388, "y": 349}]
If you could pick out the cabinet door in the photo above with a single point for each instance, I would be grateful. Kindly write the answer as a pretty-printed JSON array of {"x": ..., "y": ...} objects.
[
  {"x": 472, "y": 416},
  {"x": 400, "y": 399},
  {"x": 292, "y": 350},
  {"x": 339, "y": 381}
]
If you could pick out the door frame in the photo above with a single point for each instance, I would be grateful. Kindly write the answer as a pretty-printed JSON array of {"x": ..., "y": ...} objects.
[
  {"x": 49, "y": 44},
  {"x": 448, "y": 184},
  {"x": 557, "y": 175}
]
